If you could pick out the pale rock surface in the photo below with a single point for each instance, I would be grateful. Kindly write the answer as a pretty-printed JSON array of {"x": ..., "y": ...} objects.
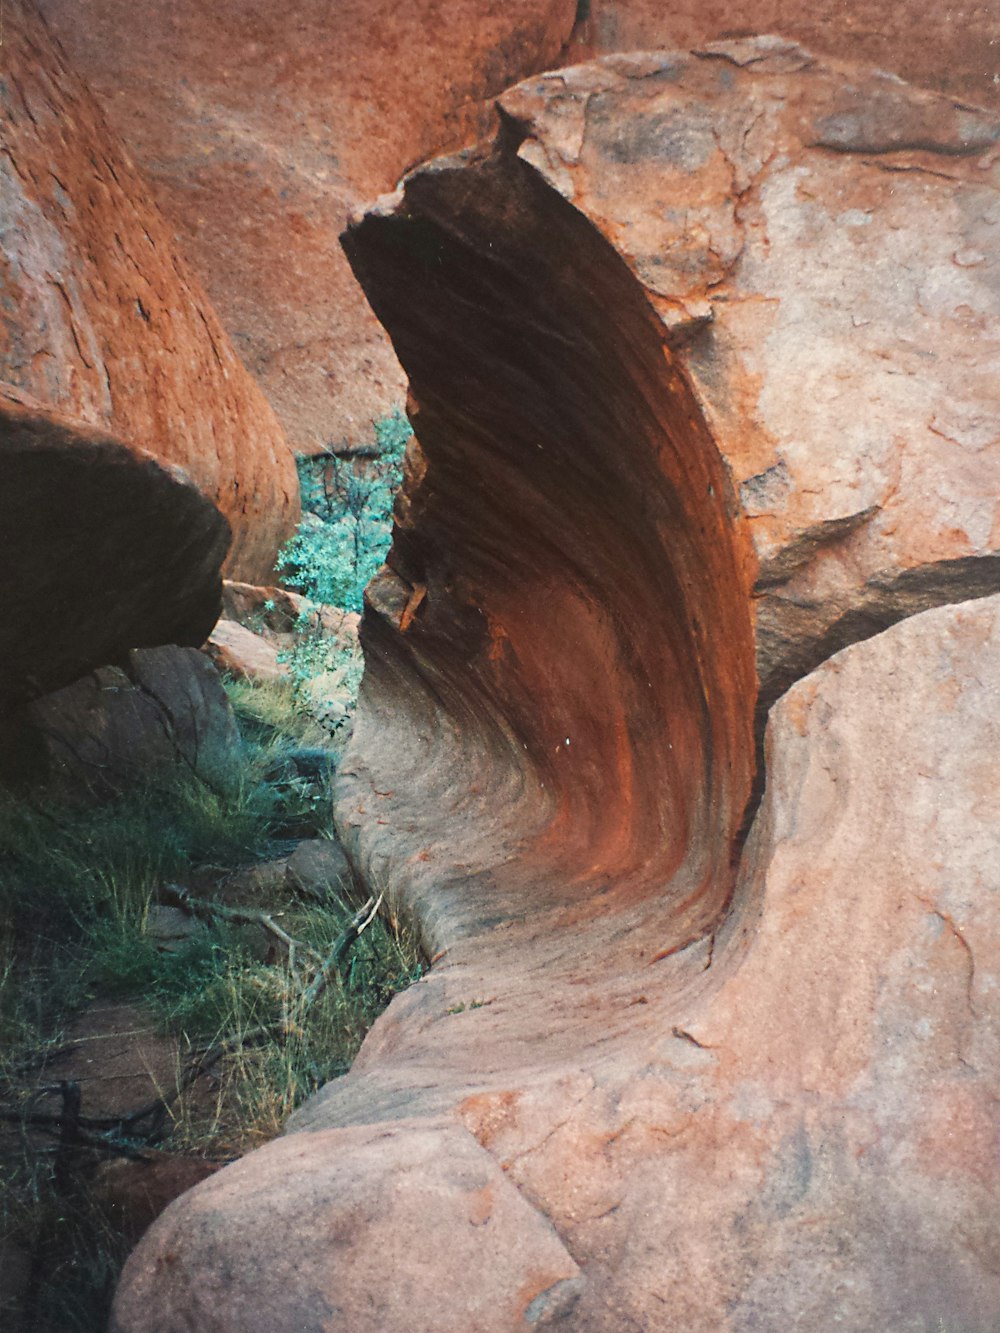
[
  {"x": 822, "y": 244},
  {"x": 262, "y": 126},
  {"x": 100, "y": 317},
  {"x": 239, "y": 652},
  {"x": 806, "y": 1138},
  {"x": 319, "y": 869}
]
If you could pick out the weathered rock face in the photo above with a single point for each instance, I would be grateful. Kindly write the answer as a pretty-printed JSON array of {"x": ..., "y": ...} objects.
[
  {"x": 807, "y": 1139},
  {"x": 262, "y": 127},
  {"x": 946, "y": 47},
  {"x": 243, "y": 654},
  {"x": 104, "y": 549},
  {"x": 99, "y": 316},
  {"x": 825, "y": 243},
  {"x": 162, "y": 712},
  {"x": 756, "y": 1100}
]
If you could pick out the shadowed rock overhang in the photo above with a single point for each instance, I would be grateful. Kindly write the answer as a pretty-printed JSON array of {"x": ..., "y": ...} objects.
[{"x": 561, "y": 648}]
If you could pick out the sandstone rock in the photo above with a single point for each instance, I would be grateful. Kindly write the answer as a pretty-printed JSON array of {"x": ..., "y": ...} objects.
[
  {"x": 796, "y": 1128},
  {"x": 945, "y": 47},
  {"x": 751, "y": 1083},
  {"x": 171, "y": 930},
  {"x": 251, "y": 885},
  {"x": 243, "y": 654},
  {"x": 120, "y": 727},
  {"x": 821, "y": 241},
  {"x": 279, "y": 615},
  {"x": 267, "y": 610},
  {"x": 100, "y": 317},
  {"x": 104, "y": 549},
  {"x": 319, "y": 869},
  {"x": 434, "y": 1189},
  {"x": 262, "y": 128}
]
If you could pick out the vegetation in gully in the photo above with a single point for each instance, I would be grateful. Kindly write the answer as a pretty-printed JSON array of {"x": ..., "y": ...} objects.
[{"x": 264, "y": 995}]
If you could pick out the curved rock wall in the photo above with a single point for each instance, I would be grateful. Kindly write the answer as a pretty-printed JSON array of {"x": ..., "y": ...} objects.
[
  {"x": 768, "y": 1105},
  {"x": 99, "y": 316},
  {"x": 566, "y": 550},
  {"x": 262, "y": 126},
  {"x": 821, "y": 244}
]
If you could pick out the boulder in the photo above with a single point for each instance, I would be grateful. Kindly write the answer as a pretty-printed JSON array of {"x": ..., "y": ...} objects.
[
  {"x": 164, "y": 712},
  {"x": 819, "y": 242},
  {"x": 945, "y": 47},
  {"x": 796, "y": 1128},
  {"x": 106, "y": 548},
  {"x": 262, "y": 128},
  {"x": 100, "y": 317},
  {"x": 319, "y": 869},
  {"x": 239, "y": 652}
]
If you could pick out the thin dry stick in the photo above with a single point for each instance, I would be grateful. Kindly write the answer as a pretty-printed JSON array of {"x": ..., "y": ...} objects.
[
  {"x": 116, "y": 1127},
  {"x": 247, "y": 916},
  {"x": 358, "y": 924}
]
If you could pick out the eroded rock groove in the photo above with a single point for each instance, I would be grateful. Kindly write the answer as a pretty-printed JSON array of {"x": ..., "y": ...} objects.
[{"x": 583, "y": 628}]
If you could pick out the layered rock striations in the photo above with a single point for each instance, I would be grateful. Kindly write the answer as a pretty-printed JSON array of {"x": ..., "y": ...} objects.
[
  {"x": 261, "y": 127},
  {"x": 661, "y": 1076},
  {"x": 100, "y": 318}
]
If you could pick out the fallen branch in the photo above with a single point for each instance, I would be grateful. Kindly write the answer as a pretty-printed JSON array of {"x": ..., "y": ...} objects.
[
  {"x": 248, "y": 916},
  {"x": 359, "y": 923}
]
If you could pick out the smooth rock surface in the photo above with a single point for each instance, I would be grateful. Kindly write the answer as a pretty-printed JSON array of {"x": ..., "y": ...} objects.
[
  {"x": 100, "y": 318},
  {"x": 104, "y": 549},
  {"x": 262, "y": 127},
  {"x": 318, "y": 869},
  {"x": 806, "y": 1139},
  {"x": 239, "y": 652}
]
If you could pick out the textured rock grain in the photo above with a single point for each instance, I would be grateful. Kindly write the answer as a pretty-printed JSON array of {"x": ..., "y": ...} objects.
[
  {"x": 950, "y": 48},
  {"x": 100, "y": 317},
  {"x": 755, "y": 1099},
  {"x": 824, "y": 244},
  {"x": 261, "y": 127}
]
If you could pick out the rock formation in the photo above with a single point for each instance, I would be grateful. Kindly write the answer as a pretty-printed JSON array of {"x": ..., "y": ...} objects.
[
  {"x": 100, "y": 318},
  {"x": 261, "y": 127},
  {"x": 947, "y": 47},
  {"x": 104, "y": 549},
  {"x": 162, "y": 713},
  {"x": 702, "y": 339}
]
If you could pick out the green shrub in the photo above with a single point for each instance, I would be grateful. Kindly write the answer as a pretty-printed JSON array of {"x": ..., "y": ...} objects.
[
  {"x": 340, "y": 545},
  {"x": 347, "y": 524}
]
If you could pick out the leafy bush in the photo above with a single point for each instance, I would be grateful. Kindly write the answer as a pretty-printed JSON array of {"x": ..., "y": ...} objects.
[
  {"x": 340, "y": 545},
  {"x": 347, "y": 524}
]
